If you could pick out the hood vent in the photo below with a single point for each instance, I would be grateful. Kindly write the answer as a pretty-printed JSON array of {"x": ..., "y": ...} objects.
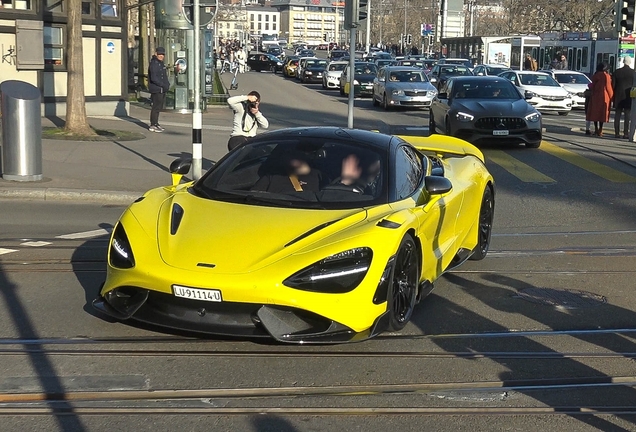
[
  {"x": 175, "y": 220},
  {"x": 310, "y": 232}
]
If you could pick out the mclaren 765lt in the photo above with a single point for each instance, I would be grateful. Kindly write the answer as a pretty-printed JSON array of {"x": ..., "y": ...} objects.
[{"x": 304, "y": 235}]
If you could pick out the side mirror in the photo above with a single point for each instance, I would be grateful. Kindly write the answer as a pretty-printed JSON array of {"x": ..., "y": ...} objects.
[
  {"x": 433, "y": 80},
  {"x": 442, "y": 95},
  {"x": 528, "y": 95},
  {"x": 436, "y": 185},
  {"x": 179, "y": 168}
]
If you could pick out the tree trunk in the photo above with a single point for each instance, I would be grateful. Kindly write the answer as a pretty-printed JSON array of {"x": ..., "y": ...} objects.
[{"x": 76, "y": 120}]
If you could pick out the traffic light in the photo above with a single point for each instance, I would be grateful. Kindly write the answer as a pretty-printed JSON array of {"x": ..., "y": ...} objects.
[
  {"x": 363, "y": 9},
  {"x": 354, "y": 12},
  {"x": 324, "y": 37},
  {"x": 409, "y": 39},
  {"x": 627, "y": 16}
]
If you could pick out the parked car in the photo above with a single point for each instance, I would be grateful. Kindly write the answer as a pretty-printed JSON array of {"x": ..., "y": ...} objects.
[
  {"x": 547, "y": 94},
  {"x": 441, "y": 72},
  {"x": 485, "y": 110},
  {"x": 313, "y": 70},
  {"x": 456, "y": 61},
  {"x": 364, "y": 74},
  {"x": 490, "y": 69},
  {"x": 331, "y": 77},
  {"x": 402, "y": 86}
]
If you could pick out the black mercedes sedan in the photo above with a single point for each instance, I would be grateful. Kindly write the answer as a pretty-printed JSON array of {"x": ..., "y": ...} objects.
[{"x": 485, "y": 110}]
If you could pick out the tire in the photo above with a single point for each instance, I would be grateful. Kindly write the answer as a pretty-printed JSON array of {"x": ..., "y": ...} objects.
[
  {"x": 564, "y": 113},
  {"x": 342, "y": 93},
  {"x": 385, "y": 104},
  {"x": 432, "y": 127},
  {"x": 323, "y": 84},
  {"x": 375, "y": 101},
  {"x": 486, "y": 216},
  {"x": 533, "y": 145},
  {"x": 448, "y": 128},
  {"x": 402, "y": 293}
]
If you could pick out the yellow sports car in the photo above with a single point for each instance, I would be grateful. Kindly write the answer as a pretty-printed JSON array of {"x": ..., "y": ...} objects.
[
  {"x": 304, "y": 235},
  {"x": 290, "y": 67}
]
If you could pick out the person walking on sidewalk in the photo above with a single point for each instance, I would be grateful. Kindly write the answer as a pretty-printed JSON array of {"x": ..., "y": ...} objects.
[
  {"x": 247, "y": 118},
  {"x": 158, "y": 85},
  {"x": 599, "y": 108},
  {"x": 622, "y": 82}
]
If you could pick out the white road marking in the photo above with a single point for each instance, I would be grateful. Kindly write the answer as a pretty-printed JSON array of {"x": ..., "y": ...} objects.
[
  {"x": 86, "y": 234},
  {"x": 6, "y": 251},
  {"x": 35, "y": 243}
]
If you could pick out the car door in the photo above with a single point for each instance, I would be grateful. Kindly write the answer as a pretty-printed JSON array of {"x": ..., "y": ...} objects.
[
  {"x": 379, "y": 84},
  {"x": 479, "y": 70},
  {"x": 443, "y": 104}
]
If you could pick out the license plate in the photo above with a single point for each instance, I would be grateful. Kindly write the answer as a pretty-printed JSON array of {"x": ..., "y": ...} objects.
[
  {"x": 369, "y": 87},
  {"x": 197, "y": 293},
  {"x": 500, "y": 132}
]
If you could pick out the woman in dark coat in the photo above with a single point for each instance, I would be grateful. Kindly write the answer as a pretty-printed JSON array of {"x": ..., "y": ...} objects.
[{"x": 602, "y": 93}]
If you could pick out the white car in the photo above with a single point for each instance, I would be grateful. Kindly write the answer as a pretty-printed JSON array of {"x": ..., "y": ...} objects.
[
  {"x": 331, "y": 78},
  {"x": 575, "y": 83},
  {"x": 547, "y": 94}
]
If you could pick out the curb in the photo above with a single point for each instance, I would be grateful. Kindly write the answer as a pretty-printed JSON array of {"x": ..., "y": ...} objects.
[{"x": 86, "y": 195}]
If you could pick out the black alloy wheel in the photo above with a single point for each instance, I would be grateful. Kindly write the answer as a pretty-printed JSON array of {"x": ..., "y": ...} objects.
[
  {"x": 403, "y": 291},
  {"x": 385, "y": 103},
  {"x": 486, "y": 216}
]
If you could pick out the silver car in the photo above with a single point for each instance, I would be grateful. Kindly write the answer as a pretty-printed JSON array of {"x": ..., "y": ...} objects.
[
  {"x": 331, "y": 78},
  {"x": 402, "y": 86}
]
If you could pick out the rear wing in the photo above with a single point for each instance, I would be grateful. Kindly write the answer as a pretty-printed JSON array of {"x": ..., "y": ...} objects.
[{"x": 442, "y": 145}]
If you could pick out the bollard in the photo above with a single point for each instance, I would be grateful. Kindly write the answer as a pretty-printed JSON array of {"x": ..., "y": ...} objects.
[{"x": 21, "y": 131}]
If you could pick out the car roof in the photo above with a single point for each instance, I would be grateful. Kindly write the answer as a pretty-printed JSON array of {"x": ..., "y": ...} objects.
[
  {"x": 560, "y": 72},
  {"x": 531, "y": 72},
  {"x": 402, "y": 68},
  {"x": 484, "y": 79},
  {"x": 362, "y": 137}
]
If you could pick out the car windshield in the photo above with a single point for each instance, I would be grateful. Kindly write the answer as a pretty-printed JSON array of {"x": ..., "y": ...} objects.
[
  {"x": 407, "y": 76},
  {"x": 413, "y": 63},
  {"x": 299, "y": 172},
  {"x": 316, "y": 63},
  {"x": 478, "y": 90},
  {"x": 365, "y": 68},
  {"x": 455, "y": 70},
  {"x": 494, "y": 70},
  {"x": 384, "y": 62},
  {"x": 567, "y": 78},
  {"x": 337, "y": 66},
  {"x": 538, "y": 80},
  {"x": 461, "y": 62}
]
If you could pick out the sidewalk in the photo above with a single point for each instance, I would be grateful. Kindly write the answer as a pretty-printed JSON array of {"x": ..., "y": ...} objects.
[{"x": 120, "y": 171}]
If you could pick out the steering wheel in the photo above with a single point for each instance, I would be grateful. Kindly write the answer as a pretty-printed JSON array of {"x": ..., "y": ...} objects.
[{"x": 337, "y": 185}]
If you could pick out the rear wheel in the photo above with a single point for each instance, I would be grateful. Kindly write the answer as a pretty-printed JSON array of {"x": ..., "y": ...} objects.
[
  {"x": 564, "y": 113},
  {"x": 403, "y": 291},
  {"x": 486, "y": 215}
]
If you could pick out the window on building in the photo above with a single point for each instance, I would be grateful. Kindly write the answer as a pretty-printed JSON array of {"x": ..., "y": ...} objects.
[
  {"x": 260, "y": 17},
  {"x": 266, "y": 26},
  {"x": 17, "y": 4},
  {"x": 53, "y": 46},
  {"x": 266, "y": 18},
  {"x": 273, "y": 18},
  {"x": 251, "y": 17},
  {"x": 274, "y": 26},
  {"x": 53, "y": 6},
  {"x": 259, "y": 25},
  {"x": 109, "y": 8},
  {"x": 252, "y": 25},
  {"x": 87, "y": 8}
]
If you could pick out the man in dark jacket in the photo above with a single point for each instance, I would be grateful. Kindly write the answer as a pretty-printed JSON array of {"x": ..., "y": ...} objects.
[
  {"x": 622, "y": 81},
  {"x": 158, "y": 85}
]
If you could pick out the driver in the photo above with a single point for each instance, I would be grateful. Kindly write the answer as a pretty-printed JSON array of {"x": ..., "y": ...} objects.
[
  {"x": 360, "y": 180},
  {"x": 298, "y": 176}
]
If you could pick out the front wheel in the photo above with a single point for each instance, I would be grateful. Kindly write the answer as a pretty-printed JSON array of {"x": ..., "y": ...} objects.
[
  {"x": 564, "y": 113},
  {"x": 385, "y": 103},
  {"x": 375, "y": 101},
  {"x": 533, "y": 144},
  {"x": 403, "y": 291},
  {"x": 486, "y": 216}
]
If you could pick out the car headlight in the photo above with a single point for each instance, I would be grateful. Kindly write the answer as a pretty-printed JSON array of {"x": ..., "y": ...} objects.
[
  {"x": 339, "y": 273},
  {"x": 308, "y": 73},
  {"x": 397, "y": 92},
  {"x": 121, "y": 255},
  {"x": 279, "y": 64},
  {"x": 533, "y": 117},
  {"x": 355, "y": 82},
  {"x": 464, "y": 117}
]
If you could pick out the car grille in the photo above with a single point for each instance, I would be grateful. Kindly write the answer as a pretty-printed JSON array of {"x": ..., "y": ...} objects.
[
  {"x": 416, "y": 92},
  {"x": 500, "y": 123},
  {"x": 553, "y": 98},
  {"x": 415, "y": 103}
]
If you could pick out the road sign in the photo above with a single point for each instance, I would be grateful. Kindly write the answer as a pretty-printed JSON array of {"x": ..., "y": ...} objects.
[{"x": 427, "y": 29}]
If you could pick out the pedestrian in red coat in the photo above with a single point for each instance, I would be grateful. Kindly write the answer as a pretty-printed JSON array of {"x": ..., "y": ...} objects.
[{"x": 601, "y": 99}]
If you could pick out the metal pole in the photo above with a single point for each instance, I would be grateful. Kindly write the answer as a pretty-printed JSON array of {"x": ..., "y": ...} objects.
[
  {"x": 442, "y": 29},
  {"x": 632, "y": 114},
  {"x": 336, "y": 28},
  {"x": 368, "y": 26},
  {"x": 471, "y": 5},
  {"x": 404, "y": 35},
  {"x": 352, "y": 69},
  {"x": 197, "y": 147}
]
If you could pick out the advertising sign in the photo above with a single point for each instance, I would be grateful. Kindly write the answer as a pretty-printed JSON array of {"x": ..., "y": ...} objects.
[{"x": 499, "y": 53}]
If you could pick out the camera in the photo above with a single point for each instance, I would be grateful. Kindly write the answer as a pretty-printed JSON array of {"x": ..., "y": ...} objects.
[{"x": 251, "y": 105}]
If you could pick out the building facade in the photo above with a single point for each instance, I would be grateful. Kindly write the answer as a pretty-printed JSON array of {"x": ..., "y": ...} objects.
[
  {"x": 263, "y": 20},
  {"x": 311, "y": 20},
  {"x": 33, "y": 41}
]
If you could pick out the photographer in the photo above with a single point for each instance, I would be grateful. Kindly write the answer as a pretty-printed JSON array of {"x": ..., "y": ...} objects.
[{"x": 247, "y": 118}]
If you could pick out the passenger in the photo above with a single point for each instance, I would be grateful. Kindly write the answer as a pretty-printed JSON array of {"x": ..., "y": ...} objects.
[
  {"x": 298, "y": 176},
  {"x": 393, "y": 77}
]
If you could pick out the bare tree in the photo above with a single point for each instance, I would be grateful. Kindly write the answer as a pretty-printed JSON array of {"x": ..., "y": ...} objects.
[{"x": 76, "y": 120}]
